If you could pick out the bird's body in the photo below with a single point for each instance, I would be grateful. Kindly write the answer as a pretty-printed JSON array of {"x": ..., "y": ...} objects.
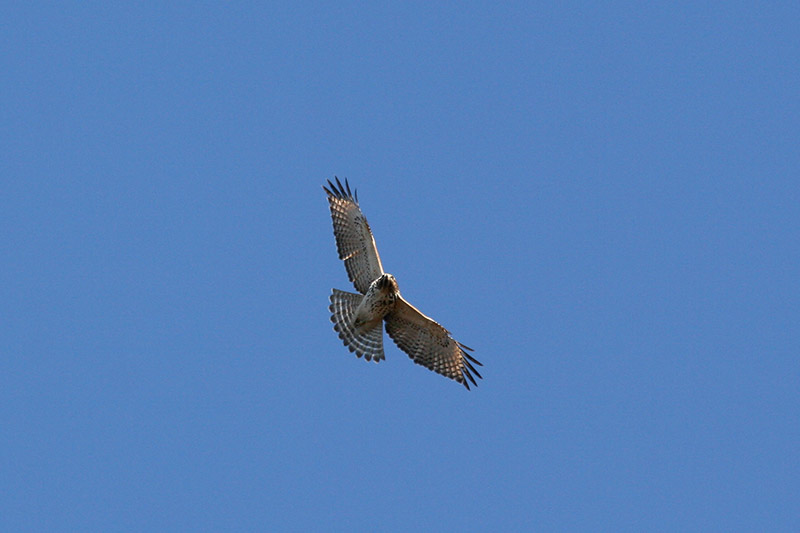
[
  {"x": 358, "y": 318},
  {"x": 378, "y": 302}
]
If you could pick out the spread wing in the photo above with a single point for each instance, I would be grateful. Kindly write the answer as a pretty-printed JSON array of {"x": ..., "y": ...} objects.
[
  {"x": 429, "y": 344},
  {"x": 354, "y": 239}
]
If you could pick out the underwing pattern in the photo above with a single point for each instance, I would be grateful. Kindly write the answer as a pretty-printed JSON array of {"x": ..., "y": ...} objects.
[{"x": 359, "y": 318}]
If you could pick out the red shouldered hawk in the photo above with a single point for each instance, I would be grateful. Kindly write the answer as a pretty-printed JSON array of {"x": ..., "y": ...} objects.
[{"x": 358, "y": 318}]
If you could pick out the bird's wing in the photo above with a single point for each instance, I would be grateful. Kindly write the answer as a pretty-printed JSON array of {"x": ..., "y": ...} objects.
[
  {"x": 429, "y": 344},
  {"x": 354, "y": 239}
]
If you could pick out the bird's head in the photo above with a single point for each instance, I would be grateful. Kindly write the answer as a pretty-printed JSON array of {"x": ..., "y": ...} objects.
[{"x": 387, "y": 283}]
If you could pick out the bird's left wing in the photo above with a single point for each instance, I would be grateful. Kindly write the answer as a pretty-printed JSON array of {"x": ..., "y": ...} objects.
[
  {"x": 354, "y": 239},
  {"x": 429, "y": 344}
]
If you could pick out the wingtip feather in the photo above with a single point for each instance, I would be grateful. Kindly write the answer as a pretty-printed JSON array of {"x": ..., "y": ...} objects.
[
  {"x": 476, "y": 373},
  {"x": 333, "y": 191},
  {"x": 471, "y": 379},
  {"x": 469, "y": 357},
  {"x": 337, "y": 190}
]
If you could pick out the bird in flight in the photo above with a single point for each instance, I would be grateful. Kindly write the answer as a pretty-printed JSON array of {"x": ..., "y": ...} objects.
[{"x": 359, "y": 318}]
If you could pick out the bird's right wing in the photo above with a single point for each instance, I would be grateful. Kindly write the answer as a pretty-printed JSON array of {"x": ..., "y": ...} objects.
[
  {"x": 354, "y": 239},
  {"x": 429, "y": 344}
]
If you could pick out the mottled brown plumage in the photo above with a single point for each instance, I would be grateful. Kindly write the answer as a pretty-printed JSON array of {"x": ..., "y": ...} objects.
[{"x": 358, "y": 318}]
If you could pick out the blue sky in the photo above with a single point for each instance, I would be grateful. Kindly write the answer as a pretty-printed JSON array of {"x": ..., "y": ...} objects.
[{"x": 601, "y": 199}]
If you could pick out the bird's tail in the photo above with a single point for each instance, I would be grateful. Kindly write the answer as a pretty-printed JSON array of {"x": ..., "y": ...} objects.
[{"x": 368, "y": 343}]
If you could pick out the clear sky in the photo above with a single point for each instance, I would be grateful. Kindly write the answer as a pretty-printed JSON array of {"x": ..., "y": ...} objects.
[{"x": 602, "y": 199}]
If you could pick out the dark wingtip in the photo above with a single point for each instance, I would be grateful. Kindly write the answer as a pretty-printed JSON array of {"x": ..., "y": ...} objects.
[
  {"x": 476, "y": 373},
  {"x": 335, "y": 190},
  {"x": 468, "y": 369},
  {"x": 466, "y": 372},
  {"x": 468, "y": 356},
  {"x": 339, "y": 183}
]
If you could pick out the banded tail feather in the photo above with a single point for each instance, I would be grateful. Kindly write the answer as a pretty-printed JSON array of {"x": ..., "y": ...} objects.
[{"x": 369, "y": 343}]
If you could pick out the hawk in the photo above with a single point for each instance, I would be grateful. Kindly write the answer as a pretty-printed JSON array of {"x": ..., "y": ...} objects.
[{"x": 359, "y": 318}]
